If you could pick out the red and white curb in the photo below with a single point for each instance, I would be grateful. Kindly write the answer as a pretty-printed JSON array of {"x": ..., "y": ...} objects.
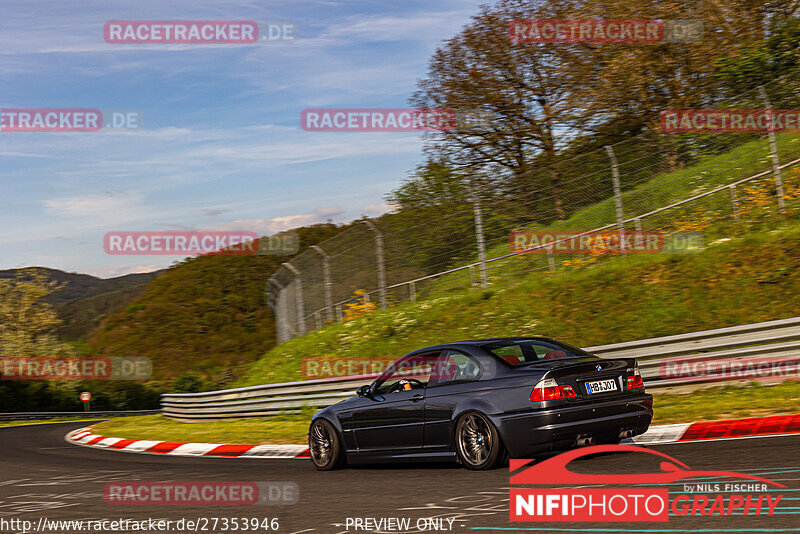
[
  {"x": 85, "y": 437},
  {"x": 776, "y": 425}
]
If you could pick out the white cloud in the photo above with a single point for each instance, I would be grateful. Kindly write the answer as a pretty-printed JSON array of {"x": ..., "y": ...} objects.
[
  {"x": 397, "y": 28},
  {"x": 112, "y": 272},
  {"x": 375, "y": 210},
  {"x": 108, "y": 203},
  {"x": 285, "y": 222}
]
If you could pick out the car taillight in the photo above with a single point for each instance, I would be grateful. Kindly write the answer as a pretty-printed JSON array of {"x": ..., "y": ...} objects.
[
  {"x": 635, "y": 380},
  {"x": 549, "y": 389}
]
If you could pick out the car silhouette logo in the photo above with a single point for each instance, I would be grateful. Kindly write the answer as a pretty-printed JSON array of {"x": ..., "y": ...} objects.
[
  {"x": 554, "y": 470},
  {"x": 599, "y": 367}
]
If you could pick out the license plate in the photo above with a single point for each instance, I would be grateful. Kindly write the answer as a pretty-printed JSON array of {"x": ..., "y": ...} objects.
[{"x": 601, "y": 386}]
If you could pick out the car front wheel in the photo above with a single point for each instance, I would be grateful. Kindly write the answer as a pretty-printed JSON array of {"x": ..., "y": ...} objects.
[
  {"x": 478, "y": 443},
  {"x": 324, "y": 445}
]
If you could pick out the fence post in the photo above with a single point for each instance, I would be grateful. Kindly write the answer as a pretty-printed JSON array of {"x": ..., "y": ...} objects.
[
  {"x": 298, "y": 295},
  {"x": 617, "y": 198},
  {"x": 773, "y": 150},
  {"x": 412, "y": 292},
  {"x": 338, "y": 313},
  {"x": 638, "y": 224},
  {"x": 380, "y": 261},
  {"x": 268, "y": 293},
  {"x": 551, "y": 262},
  {"x": 318, "y": 319},
  {"x": 478, "y": 214},
  {"x": 326, "y": 282},
  {"x": 734, "y": 202},
  {"x": 279, "y": 309}
]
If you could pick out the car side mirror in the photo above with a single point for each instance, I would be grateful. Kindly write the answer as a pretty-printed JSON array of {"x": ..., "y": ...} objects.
[{"x": 363, "y": 391}]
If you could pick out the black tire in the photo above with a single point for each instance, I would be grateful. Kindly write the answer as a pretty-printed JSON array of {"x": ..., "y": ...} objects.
[
  {"x": 324, "y": 446},
  {"x": 478, "y": 443}
]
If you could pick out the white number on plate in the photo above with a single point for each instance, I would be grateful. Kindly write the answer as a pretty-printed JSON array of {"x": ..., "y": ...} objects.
[{"x": 601, "y": 386}]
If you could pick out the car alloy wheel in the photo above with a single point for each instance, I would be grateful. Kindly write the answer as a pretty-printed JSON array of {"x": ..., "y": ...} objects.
[
  {"x": 478, "y": 442},
  {"x": 324, "y": 446}
]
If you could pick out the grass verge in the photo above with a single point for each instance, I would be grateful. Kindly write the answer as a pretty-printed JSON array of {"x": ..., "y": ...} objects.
[
  {"x": 727, "y": 402},
  {"x": 277, "y": 430},
  {"x": 44, "y": 421}
]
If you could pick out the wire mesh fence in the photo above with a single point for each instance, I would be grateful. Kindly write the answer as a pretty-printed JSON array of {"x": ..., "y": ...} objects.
[{"x": 654, "y": 193}]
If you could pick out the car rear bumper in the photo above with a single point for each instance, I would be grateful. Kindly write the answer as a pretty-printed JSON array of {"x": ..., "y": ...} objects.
[{"x": 553, "y": 429}]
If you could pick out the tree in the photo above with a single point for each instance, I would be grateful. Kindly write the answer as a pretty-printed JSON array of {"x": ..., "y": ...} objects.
[
  {"x": 27, "y": 323},
  {"x": 763, "y": 61},
  {"x": 522, "y": 98},
  {"x": 188, "y": 383},
  {"x": 538, "y": 97},
  {"x": 435, "y": 221},
  {"x": 431, "y": 185}
]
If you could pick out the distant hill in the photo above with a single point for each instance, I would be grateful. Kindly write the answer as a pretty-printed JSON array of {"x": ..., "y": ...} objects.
[
  {"x": 85, "y": 300},
  {"x": 206, "y": 315}
]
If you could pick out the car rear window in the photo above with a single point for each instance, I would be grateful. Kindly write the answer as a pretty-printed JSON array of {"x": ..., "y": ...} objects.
[{"x": 523, "y": 351}]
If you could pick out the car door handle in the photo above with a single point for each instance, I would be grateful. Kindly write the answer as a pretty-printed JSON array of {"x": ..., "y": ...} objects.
[{"x": 417, "y": 397}]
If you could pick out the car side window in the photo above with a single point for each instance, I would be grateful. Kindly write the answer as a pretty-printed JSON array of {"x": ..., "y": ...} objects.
[
  {"x": 510, "y": 353},
  {"x": 515, "y": 352},
  {"x": 550, "y": 352},
  {"x": 454, "y": 368},
  {"x": 411, "y": 372}
]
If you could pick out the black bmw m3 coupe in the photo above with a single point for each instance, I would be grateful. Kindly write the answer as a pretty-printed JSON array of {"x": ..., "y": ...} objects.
[{"x": 480, "y": 402}]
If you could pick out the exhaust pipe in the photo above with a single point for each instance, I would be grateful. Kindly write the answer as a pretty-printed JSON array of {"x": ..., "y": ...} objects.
[
  {"x": 626, "y": 434},
  {"x": 585, "y": 442}
]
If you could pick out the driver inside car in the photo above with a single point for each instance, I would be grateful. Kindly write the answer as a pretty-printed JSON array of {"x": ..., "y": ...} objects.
[
  {"x": 405, "y": 384},
  {"x": 410, "y": 374}
]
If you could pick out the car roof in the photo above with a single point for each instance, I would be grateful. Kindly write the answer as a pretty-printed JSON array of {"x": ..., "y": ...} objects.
[{"x": 478, "y": 342}]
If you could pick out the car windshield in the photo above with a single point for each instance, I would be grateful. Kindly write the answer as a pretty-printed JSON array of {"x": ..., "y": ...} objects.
[{"x": 524, "y": 351}]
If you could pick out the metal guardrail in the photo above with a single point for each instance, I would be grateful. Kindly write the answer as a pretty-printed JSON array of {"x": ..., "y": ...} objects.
[
  {"x": 773, "y": 342},
  {"x": 261, "y": 401},
  {"x": 23, "y": 416}
]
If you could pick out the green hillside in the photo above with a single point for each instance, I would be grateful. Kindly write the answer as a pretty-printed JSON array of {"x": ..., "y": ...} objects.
[
  {"x": 82, "y": 316},
  {"x": 711, "y": 215},
  {"x": 206, "y": 315},
  {"x": 742, "y": 280},
  {"x": 83, "y": 301}
]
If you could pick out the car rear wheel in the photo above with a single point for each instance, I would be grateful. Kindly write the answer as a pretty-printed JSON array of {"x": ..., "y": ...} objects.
[
  {"x": 477, "y": 442},
  {"x": 324, "y": 446}
]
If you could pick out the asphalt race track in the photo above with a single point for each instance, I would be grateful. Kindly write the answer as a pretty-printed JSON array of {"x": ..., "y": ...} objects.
[{"x": 45, "y": 477}]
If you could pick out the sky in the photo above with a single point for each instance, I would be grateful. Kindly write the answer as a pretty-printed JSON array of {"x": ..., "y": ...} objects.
[{"x": 219, "y": 145}]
